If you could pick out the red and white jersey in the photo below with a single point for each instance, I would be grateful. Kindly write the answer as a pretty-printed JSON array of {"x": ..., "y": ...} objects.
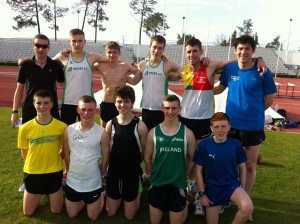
[{"x": 197, "y": 98}]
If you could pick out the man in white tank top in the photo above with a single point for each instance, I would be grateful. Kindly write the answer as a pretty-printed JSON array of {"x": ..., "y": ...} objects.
[
  {"x": 78, "y": 74},
  {"x": 84, "y": 143}
]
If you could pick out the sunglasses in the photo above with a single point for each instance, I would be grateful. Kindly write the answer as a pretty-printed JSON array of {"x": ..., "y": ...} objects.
[{"x": 44, "y": 46}]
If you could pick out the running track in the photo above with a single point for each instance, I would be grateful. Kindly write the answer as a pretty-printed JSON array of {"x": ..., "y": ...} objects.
[{"x": 8, "y": 76}]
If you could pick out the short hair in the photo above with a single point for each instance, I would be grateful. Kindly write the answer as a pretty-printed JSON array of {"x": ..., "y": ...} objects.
[
  {"x": 171, "y": 98},
  {"x": 41, "y": 37},
  {"x": 125, "y": 92},
  {"x": 245, "y": 39},
  {"x": 194, "y": 42},
  {"x": 158, "y": 38},
  {"x": 219, "y": 116},
  {"x": 112, "y": 45},
  {"x": 43, "y": 93},
  {"x": 76, "y": 31},
  {"x": 87, "y": 99}
]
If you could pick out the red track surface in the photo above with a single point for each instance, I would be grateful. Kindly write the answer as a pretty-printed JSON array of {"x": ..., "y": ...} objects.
[{"x": 8, "y": 76}]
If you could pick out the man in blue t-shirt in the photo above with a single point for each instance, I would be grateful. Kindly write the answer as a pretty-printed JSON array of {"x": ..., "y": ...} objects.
[{"x": 249, "y": 94}]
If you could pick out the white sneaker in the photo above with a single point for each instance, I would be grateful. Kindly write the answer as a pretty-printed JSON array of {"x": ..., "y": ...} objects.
[
  {"x": 199, "y": 210},
  {"x": 22, "y": 188}
]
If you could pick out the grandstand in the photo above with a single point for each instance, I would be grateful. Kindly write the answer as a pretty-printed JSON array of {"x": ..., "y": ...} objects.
[{"x": 12, "y": 49}]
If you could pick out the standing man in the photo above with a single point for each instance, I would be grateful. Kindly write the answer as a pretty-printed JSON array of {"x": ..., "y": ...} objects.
[
  {"x": 114, "y": 74},
  {"x": 78, "y": 74},
  {"x": 220, "y": 156},
  {"x": 85, "y": 142},
  {"x": 128, "y": 140},
  {"x": 170, "y": 143},
  {"x": 155, "y": 74},
  {"x": 41, "y": 141},
  {"x": 249, "y": 94},
  {"x": 39, "y": 73}
]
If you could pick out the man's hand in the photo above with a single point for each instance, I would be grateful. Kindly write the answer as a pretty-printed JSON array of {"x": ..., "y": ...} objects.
[
  {"x": 205, "y": 60},
  {"x": 65, "y": 52},
  {"x": 21, "y": 61},
  {"x": 261, "y": 65},
  {"x": 14, "y": 119}
]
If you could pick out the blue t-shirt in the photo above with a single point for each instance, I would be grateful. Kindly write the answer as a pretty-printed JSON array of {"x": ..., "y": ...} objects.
[
  {"x": 246, "y": 92},
  {"x": 220, "y": 160}
]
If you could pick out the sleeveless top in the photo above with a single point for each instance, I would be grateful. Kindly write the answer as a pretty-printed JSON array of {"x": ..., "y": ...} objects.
[
  {"x": 169, "y": 165},
  {"x": 155, "y": 86},
  {"x": 197, "y": 98},
  {"x": 125, "y": 155},
  {"x": 85, "y": 150},
  {"x": 78, "y": 80}
]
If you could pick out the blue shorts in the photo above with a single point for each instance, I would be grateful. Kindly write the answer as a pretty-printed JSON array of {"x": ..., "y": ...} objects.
[{"x": 220, "y": 195}]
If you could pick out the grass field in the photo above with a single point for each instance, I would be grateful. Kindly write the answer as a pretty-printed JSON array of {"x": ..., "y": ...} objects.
[{"x": 276, "y": 194}]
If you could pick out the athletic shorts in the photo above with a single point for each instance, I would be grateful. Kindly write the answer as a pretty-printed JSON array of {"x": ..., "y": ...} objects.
[
  {"x": 108, "y": 111},
  {"x": 127, "y": 189},
  {"x": 167, "y": 198},
  {"x": 48, "y": 183},
  {"x": 220, "y": 195},
  {"x": 69, "y": 114},
  {"x": 152, "y": 118},
  {"x": 200, "y": 127},
  {"x": 247, "y": 138},
  {"x": 87, "y": 197}
]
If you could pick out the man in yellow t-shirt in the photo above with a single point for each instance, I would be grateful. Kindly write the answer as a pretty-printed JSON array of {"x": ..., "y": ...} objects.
[{"x": 41, "y": 141}]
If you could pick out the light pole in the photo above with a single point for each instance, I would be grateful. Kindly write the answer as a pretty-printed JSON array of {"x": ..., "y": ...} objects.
[
  {"x": 288, "y": 42},
  {"x": 78, "y": 11},
  {"x": 183, "y": 40}
]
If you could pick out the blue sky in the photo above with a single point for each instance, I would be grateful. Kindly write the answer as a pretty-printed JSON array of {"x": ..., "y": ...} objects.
[{"x": 206, "y": 19}]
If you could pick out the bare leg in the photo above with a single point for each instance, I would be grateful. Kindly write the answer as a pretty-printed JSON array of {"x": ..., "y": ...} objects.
[
  {"x": 252, "y": 155},
  {"x": 57, "y": 201},
  {"x": 212, "y": 214},
  {"x": 73, "y": 208},
  {"x": 132, "y": 207},
  {"x": 155, "y": 215},
  {"x": 112, "y": 206},
  {"x": 30, "y": 203},
  {"x": 94, "y": 209}
]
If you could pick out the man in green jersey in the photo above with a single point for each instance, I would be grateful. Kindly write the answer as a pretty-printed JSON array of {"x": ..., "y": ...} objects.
[{"x": 169, "y": 143}]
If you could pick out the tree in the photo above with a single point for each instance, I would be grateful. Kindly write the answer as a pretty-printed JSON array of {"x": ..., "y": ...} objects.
[
  {"x": 155, "y": 23},
  {"x": 221, "y": 40},
  {"x": 246, "y": 29},
  {"x": 255, "y": 37},
  {"x": 180, "y": 38},
  {"x": 29, "y": 13},
  {"x": 144, "y": 8},
  {"x": 275, "y": 43}
]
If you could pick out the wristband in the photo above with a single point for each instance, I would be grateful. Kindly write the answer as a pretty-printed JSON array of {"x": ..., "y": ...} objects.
[
  {"x": 14, "y": 111},
  {"x": 201, "y": 193}
]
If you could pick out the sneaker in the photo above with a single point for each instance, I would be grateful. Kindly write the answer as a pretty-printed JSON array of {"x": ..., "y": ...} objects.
[
  {"x": 199, "y": 210},
  {"x": 22, "y": 188},
  {"x": 191, "y": 186},
  {"x": 250, "y": 219}
]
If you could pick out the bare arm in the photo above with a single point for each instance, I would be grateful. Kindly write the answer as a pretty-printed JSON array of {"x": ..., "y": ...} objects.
[
  {"x": 16, "y": 102},
  {"x": 143, "y": 132},
  {"x": 219, "y": 89},
  {"x": 268, "y": 101},
  {"x": 191, "y": 146},
  {"x": 148, "y": 153},
  {"x": 105, "y": 151},
  {"x": 24, "y": 153},
  {"x": 242, "y": 174},
  {"x": 66, "y": 149}
]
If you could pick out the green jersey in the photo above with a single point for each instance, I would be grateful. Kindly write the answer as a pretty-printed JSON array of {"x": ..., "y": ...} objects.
[{"x": 169, "y": 165}]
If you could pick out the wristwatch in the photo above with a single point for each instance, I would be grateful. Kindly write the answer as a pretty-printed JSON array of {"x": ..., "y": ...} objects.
[
  {"x": 14, "y": 111},
  {"x": 201, "y": 193}
]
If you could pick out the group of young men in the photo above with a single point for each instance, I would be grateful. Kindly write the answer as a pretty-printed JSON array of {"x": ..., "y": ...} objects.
[{"x": 170, "y": 133}]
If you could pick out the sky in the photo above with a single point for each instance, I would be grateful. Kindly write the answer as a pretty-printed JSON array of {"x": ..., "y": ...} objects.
[{"x": 207, "y": 20}]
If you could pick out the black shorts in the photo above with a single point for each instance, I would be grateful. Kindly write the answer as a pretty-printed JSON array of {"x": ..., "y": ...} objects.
[
  {"x": 69, "y": 114},
  {"x": 152, "y": 118},
  {"x": 200, "y": 127},
  {"x": 87, "y": 197},
  {"x": 108, "y": 111},
  {"x": 247, "y": 138},
  {"x": 48, "y": 183},
  {"x": 127, "y": 189},
  {"x": 167, "y": 198}
]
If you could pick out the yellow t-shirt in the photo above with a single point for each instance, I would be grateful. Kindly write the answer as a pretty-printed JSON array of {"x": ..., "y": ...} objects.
[{"x": 43, "y": 143}]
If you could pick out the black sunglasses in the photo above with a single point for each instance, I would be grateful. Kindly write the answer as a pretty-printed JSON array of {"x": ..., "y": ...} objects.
[{"x": 44, "y": 46}]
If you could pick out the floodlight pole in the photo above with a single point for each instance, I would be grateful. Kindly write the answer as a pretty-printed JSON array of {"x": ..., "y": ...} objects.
[
  {"x": 78, "y": 11},
  {"x": 288, "y": 42}
]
